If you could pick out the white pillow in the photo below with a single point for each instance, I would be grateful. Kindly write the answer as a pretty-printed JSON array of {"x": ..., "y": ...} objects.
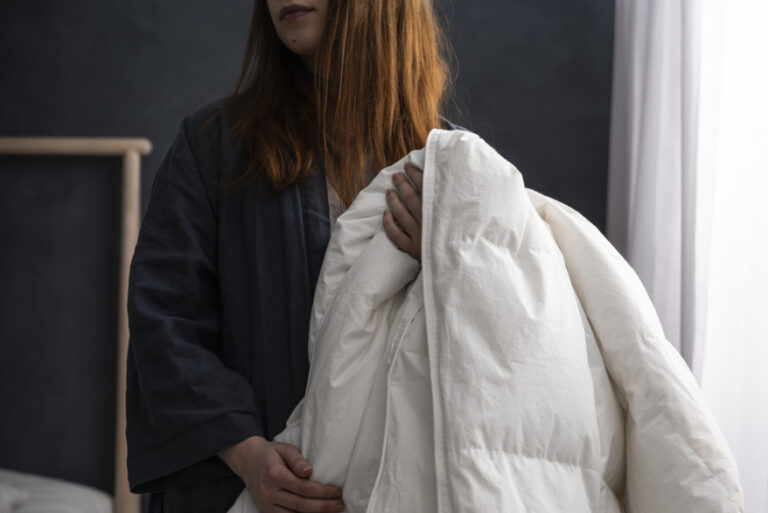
[
  {"x": 10, "y": 497},
  {"x": 49, "y": 495}
]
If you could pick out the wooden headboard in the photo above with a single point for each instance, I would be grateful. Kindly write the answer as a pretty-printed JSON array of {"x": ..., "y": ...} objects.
[{"x": 131, "y": 151}]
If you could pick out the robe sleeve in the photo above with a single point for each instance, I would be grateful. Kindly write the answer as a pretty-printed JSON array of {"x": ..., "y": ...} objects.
[{"x": 183, "y": 404}]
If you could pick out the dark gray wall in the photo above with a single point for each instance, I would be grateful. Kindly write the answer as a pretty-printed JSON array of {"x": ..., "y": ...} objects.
[
  {"x": 84, "y": 68},
  {"x": 534, "y": 81}
]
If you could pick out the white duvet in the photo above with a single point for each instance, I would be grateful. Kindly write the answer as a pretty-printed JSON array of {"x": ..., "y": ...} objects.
[{"x": 520, "y": 368}]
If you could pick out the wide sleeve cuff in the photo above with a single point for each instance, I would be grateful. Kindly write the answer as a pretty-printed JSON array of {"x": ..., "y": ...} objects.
[{"x": 190, "y": 457}]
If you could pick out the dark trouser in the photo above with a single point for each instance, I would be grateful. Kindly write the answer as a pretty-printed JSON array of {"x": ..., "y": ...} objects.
[{"x": 211, "y": 497}]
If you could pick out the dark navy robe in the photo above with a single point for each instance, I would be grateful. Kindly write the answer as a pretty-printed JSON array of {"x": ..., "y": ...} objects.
[{"x": 219, "y": 300}]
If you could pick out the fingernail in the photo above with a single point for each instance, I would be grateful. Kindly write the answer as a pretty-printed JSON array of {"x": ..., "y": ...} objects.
[{"x": 304, "y": 469}]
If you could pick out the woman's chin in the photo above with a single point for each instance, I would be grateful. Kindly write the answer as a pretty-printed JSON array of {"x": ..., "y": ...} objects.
[{"x": 304, "y": 49}]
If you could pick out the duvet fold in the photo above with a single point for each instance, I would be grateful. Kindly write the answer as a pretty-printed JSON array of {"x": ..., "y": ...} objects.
[{"x": 519, "y": 367}]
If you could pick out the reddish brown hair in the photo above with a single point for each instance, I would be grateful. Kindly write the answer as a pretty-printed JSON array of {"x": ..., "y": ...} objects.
[{"x": 379, "y": 86}]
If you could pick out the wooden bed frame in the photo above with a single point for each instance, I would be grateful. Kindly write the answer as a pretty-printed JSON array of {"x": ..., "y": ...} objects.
[{"x": 131, "y": 151}]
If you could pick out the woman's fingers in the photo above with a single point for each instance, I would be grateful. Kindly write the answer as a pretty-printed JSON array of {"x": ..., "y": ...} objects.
[
  {"x": 301, "y": 494},
  {"x": 411, "y": 197},
  {"x": 396, "y": 234},
  {"x": 278, "y": 509},
  {"x": 293, "y": 476},
  {"x": 307, "y": 487},
  {"x": 294, "y": 502},
  {"x": 416, "y": 175},
  {"x": 403, "y": 217},
  {"x": 294, "y": 459},
  {"x": 270, "y": 469},
  {"x": 402, "y": 222}
]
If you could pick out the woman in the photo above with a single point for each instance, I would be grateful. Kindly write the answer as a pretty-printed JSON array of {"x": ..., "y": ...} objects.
[{"x": 224, "y": 270}]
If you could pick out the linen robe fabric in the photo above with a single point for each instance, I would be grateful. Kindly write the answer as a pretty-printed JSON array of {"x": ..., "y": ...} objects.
[
  {"x": 521, "y": 367},
  {"x": 219, "y": 299}
]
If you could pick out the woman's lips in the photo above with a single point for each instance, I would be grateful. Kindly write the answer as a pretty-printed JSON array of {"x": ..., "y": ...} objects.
[{"x": 295, "y": 14}]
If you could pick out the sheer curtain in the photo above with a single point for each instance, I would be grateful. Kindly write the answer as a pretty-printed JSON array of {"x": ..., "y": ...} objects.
[{"x": 688, "y": 198}]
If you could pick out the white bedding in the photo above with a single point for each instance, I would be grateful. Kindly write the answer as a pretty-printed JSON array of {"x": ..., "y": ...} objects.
[
  {"x": 30, "y": 493},
  {"x": 520, "y": 368}
]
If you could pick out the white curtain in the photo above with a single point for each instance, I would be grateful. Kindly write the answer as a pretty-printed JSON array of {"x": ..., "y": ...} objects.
[{"x": 688, "y": 198}]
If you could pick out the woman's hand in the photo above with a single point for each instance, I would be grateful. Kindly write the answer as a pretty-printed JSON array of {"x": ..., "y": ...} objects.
[
  {"x": 402, "y": 222},
  {"x": 277, "y": 478}
]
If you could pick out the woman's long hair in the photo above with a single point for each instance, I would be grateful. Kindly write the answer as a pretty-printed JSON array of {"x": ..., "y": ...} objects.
[{"x": 378, "y": 88}]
